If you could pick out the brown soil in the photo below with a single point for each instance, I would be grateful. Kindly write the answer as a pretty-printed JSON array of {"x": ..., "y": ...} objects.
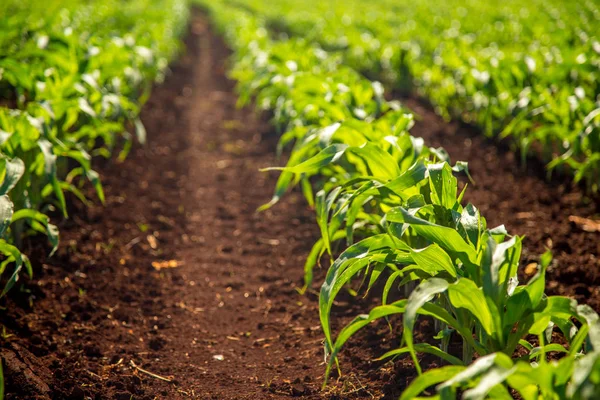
[
  {"x": 178, "y": 279},
  {"x": 223, "y": 320}
]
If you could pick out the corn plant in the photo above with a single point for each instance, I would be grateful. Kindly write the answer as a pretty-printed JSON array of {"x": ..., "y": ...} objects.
[
  {"x": 398, "y": 205},
  {"x": 73, "y": 76},
  {"x": 522, "y": 72}
]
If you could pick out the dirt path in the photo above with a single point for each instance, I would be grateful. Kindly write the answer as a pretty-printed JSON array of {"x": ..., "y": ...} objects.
[
  {"x": 178, "y": 277},
  {"x": 244, "y": 330}
]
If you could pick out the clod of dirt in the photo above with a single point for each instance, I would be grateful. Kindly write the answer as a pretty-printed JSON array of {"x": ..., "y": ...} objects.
[
  {"x": 77, "y": 394},
  {"x": 123, "y": 396},
  {"x": 17, "y": 362},
  {"x": 298, "y": 389},
  {"x": 92, "y": 350},
  {"x": 157, "y": 343}
]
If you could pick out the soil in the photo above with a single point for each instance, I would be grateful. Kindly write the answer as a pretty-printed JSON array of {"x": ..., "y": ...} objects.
[{"x": 178, "y": 289}]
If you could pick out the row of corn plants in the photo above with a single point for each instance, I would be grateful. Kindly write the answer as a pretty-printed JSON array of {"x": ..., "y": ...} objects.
[
  {"x": 523, "y": 71},
  {"x": 395, "y": 205},
  {"x": 73, "y": 76}
]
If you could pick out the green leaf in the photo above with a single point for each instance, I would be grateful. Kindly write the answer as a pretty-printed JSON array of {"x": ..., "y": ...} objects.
[
  {"x": 1, "y": 382},
  {"x": 443, "y": 185},
  {"x": 313, "y": 258},
  {"x": 490, "y": 382},
  {"x": 471, "y": 222},
  {"x": 421, "y": 295},
  {"x": 590, "y": 316},
  {"x": 423, "y": 348},
  {"x": 355, "y": 256},
  {"x": 380, "y": 163},
  {"x": 358, "y": 323},
  {"x": 50, "y": 171},
  {"x": 523, "y": 380},
  {"x": 447, "y": 238},
  {"x": 465, "y": 294},
  {"x": 430, "y": 378},
  {"x": 94, "y": 178},
  {"x": 525, "y": 299},
  {"x": 283, "y": 182},
  {"x": 433, "y": 259},
  {"x": 49, "y": 157},
  {"x": 51, "y": 230},
  {"x": 481, "y": 366},
  {"x": 323, "y": 158},
  {"x": 14, "y": 255},
  {"x": 499, "y": 267},
  {"x": 408, "y": 179},
  {"x": 140, "y": 130},
  {"x": 536, "y": 351},
  {"x": 58, "y": 192},
  {"x": 323, "y": 207},
  {"x": 585, "y": 382},
  {"x": 14, "y": 170},
  {"x": 6, "y": 213}
]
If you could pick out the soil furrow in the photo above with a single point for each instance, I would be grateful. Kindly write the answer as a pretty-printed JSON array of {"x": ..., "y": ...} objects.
[{"x": 178, "y": 288}]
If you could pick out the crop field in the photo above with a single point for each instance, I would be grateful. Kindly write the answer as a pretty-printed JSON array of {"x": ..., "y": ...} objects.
[{"x": 251, "y": 199}]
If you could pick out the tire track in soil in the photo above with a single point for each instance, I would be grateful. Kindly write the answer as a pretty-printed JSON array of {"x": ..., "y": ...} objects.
[{"x": 528, "y": 204}]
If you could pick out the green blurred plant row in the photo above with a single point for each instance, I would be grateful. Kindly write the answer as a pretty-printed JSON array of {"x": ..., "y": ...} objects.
[
  {"x": 395, "y": 206},
  {"x": 525, "y": 71},
  {"x": 73, "y": 76}
]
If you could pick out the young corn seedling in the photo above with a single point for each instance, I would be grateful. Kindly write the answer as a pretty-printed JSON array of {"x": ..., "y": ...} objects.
[
  {"x": 73, "y": 76},
  {"x": 396, "y": 202}
]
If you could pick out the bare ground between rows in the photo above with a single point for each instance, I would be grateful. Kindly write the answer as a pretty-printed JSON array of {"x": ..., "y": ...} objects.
[
  {"x": 222, "y": 319},
  {"x": 177, "y": 288}
]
